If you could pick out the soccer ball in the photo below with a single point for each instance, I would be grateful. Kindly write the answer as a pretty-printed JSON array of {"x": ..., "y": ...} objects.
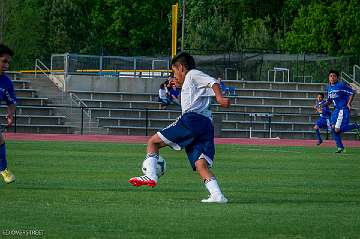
[{"x": 160, "y": 166}]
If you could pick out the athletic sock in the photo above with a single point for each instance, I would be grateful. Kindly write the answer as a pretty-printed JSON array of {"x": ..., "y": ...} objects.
[
  {"x": 318, "y": 136},
  {"x": 152, "y": 159},
  {"x": 338, "y": 141},
  {"x": 212, "y": 186},
  {"x": 3, "y": 162}
]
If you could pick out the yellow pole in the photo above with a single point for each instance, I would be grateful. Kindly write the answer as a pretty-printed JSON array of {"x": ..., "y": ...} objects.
[{"x": 174, "y": 29}]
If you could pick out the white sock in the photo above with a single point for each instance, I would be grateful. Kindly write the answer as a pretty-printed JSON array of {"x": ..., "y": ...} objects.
[
  {"x": 213, "y": 186},
  {"x": 152, "y": 159}
]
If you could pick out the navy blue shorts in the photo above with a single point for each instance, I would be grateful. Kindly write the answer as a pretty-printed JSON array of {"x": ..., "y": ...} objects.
[
  {"x": 323, "y": 123},
  {"x": 195, "y": 133}
]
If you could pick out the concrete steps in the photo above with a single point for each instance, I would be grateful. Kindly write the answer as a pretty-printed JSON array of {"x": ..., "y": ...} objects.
[
  {"x": 291, "y": 106},
  {"x": 33, "y": 114}
]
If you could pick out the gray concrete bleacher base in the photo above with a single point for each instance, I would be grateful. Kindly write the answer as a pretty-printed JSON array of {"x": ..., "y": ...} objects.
[
  {"x": 120, "y": 107},
  {"x": 113, "y": 84}
]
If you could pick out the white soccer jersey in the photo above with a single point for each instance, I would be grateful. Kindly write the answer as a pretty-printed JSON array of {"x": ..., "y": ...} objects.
[
  {"x": 162, "y": 94},
  {"x": 196, "y": 93}
]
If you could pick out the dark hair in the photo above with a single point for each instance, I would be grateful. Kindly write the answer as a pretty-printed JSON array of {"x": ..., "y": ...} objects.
[
  {"x": 185, "y": 59},
  {"x": 334, "y": 72},
  {"x": 5, "y": 50},
  {"x": 322, "y": 94}
]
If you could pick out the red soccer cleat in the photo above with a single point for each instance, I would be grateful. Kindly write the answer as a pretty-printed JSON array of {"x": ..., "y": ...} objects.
[{"x": 142, "y": 181}]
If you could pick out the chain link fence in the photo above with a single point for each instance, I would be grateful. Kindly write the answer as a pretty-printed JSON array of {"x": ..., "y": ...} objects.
[
  {"x": 251, "y": 65},
  {"x": 248, "y": 65},
  {"x": 139, "y": 66}
]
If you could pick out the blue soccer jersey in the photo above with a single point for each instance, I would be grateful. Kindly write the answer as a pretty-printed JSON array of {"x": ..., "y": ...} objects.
[
  {"x": 7, "y": 92},
  {"x": 339, "y": 94},
  {"x": 324, "y": 112},
  {"x": 324, "y": 109}
]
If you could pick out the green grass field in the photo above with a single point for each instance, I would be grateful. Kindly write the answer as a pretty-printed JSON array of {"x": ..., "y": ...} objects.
[{"x": 80, "y": 190}]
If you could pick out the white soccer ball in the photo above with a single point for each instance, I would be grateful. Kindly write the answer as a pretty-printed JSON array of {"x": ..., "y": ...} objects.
[{"x": 160, "y": 166}]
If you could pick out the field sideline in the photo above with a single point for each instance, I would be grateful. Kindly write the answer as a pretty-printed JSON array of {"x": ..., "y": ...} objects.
[
  {"x": 72, "y": 189},
  {"x": 143, "y": 139}
]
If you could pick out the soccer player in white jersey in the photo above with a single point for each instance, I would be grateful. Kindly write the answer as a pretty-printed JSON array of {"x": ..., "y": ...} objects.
[{"x": 193, "y": 130}]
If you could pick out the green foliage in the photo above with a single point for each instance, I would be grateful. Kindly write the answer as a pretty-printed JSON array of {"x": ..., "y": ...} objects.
[
  {"x": 231, "y": 25},
  {"x": 348, "y": 26},
  {"x": 23, "y": 32},
  {"x": 311, "y": 31},
  {"x": 143, "y": 27},
  {"x": 210, "y": 33},
  {"x": 67, "y": 25},
  {"x": 38, "y": 28},
  {"x": 256, "y": 34},
  {"x": 329, "y": 27}
]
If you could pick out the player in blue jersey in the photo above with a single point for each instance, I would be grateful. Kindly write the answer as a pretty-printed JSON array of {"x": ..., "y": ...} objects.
[
  {"x": 341, "y": 95},
  {"x": 193, "y": 130},
  {"x": 323, "y": 121},
  {"x": 7, "y": 94}
]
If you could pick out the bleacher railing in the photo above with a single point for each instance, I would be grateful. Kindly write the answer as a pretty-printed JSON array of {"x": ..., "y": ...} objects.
[
  {"x": 44, "y": 70},
  {"x": 254, "y": 64},
  {"x": 80, "y": 127},
  {"x": 110, "y": 66},
  {"x": 356, "y": 77},
  {"x": 246, "y": 65}
]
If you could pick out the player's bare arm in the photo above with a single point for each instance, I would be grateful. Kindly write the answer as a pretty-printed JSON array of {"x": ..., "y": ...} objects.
[
  {"x": 223, "y": 101},
  {"x": 349, "y": 103},
  {"x": 10, "y": 114}
]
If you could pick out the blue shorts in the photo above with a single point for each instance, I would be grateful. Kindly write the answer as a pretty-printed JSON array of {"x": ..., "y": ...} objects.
[
  {"x": 340, "y": 118},
  {"x": 323, "y": 123},
  {"x": 195, "y": 133}
]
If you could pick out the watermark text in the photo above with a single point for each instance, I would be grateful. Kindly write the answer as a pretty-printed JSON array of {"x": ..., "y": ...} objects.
[{"x": 23, "y": 232}]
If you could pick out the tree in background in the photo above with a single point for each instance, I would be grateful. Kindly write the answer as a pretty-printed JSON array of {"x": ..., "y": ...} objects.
[
  {"x": 312, "y": 30},
  {"x": 131, "y": 27},
  {"x": 233, "y": 25},
  {"x": 67, "y": 25},
  {"x": 38, "y": 28},
  {"x": 23, "y": 31},
  {"x": 3, "y": 18},
  {"x": 331, "y": 27},
  {"x": 348, "y": 26},
  {"x": 207, "y": 28}
]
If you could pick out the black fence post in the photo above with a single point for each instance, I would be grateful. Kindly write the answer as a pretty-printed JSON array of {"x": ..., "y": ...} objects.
[
  {"x": 146, "y": 121},
  {"x": 304, "y": 64},
  {"x": 15, "y": 121},
  {"x": 251, "y": 124},
  {"x": 82, "y": 120},
  {"x": 269, "y": 118},
  {"x": 327, "y": 134}
]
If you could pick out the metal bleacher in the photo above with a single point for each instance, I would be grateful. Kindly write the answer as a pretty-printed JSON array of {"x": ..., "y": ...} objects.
[
  {"x": 290, "y": 106},
  {"x": 33, "y": 113},
  {"x": 285, "y": 107},
  {"x": 128, "y": 113}
]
